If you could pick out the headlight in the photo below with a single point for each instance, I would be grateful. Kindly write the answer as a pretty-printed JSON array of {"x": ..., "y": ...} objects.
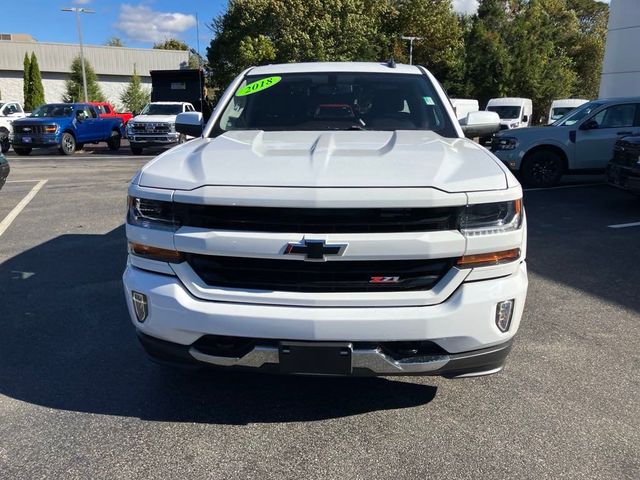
[
  {"x": 489, "y": 218},
  {"x": 50, "y": 128},
  {"x": 504, "y": 143},
  {"x": 130, "y": 125},
  {"x": 151, "y": 214},
  {"x": 514, "y": 125}
]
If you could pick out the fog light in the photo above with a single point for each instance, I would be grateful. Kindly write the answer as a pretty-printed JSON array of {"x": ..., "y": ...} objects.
[
  {"x": 504, "y": 312},
  {"x": 140, "y": 306}
]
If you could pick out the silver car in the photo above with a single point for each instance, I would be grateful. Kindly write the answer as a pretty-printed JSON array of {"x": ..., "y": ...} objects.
[{"x": 580, "y": 142}]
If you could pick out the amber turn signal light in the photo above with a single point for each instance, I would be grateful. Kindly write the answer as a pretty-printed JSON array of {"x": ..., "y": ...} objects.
[
  {"x": 155, "y": 253},
  {"x": 487, "y": 259}
]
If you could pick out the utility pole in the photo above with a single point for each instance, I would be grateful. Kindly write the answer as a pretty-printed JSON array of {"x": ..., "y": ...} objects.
[
  {"x": 411, "y": 39},
  {"x": 78, "y": 11}
]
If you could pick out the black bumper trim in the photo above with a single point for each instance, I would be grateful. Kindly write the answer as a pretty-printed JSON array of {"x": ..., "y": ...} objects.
[{"x": 466, "y": 363}]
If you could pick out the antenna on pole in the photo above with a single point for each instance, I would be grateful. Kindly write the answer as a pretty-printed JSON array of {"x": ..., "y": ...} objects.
[{"x": 411, "y": 39}]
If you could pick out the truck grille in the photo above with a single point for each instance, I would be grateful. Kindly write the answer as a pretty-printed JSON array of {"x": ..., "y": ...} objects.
[
  {"x": 331, "y": 276},
  {"x": 29, "y": 129},
  {"x": 317, "y": 220},
  {"x": 151, "y": 127}
]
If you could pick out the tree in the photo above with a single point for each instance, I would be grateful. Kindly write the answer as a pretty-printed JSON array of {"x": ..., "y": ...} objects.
[
  {"x": 25, "y": 83},
  {"x": 442, "y": 48},
  {"x": 36, "y": 89},
  {"x": 114, "y": 42},
  {"x": 256, "y": 32},
  {"x": 487, "y": 55},
  {"x": 135, "y": 97},
  {"x": 171, "y": 44},
  {"x": 74, "y": 91}
]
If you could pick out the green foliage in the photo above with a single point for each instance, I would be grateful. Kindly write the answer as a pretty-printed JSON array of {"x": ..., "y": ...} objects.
[
  {"x": 442, "y": 47},
  {"x": 74, "y": 91},
  {"x": 257, "y": 32},
  {"x": 135, "y": 97},
  {"x": 25, "y": 84},
  {"x": 114, "y": 42},
  {"x": 36, "y": 89},
  {"x": 171, "y": 44},
  {"x": 541, "y": 49}
]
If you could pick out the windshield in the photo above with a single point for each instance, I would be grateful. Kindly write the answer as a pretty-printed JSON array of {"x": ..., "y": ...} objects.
[
  {"x": 506, "y": 112},
  {"x": 336, "y": 101},
  {"x": 560, "y": 112},
  {"x": 53, "y": 111},
  {"x": 577, "y": 114},
  {"x": 161, "y": 109}
]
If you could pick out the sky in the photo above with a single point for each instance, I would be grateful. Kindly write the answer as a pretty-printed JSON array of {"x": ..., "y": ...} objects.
[{"x": 139, "y": 23}]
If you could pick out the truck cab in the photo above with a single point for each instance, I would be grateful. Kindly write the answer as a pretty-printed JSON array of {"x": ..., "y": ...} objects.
[
  {"x": 513, "y": 112},
  {"x": 560, "y": 108}
]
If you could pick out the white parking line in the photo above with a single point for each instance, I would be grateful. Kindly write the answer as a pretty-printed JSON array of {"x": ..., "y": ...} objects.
[
  {"x": 8, "y": 220},
  {"x": 564, "y": 186},
  {"x": 625, "y": 225}
]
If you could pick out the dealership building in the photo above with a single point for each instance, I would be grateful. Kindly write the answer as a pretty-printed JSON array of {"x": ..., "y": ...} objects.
[
  {"x": 113, "y": 66},
  {"x": 621, "y": 67}
]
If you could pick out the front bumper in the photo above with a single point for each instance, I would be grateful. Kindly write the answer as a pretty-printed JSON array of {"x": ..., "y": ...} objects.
[
  {"x": 461, "y": 325},
  {"x": 511, "y": 158},
  {"x": 152, "y": 139},
  {"x": 35, "y": 141},
  {"x": 627, "y": 178}
]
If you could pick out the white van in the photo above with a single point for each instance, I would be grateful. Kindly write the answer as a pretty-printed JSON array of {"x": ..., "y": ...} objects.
[
  {"x": 464, "y": 106},
  {"x": 559, "y": 108},
  {"x": 513, "y": 112}
]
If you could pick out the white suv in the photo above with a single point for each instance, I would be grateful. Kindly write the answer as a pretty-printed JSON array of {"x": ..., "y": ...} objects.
[{"x": 331, "y": 220}]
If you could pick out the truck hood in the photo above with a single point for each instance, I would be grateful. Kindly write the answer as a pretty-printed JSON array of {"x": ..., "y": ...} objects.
[
  {"x": 154, "y": 118},
  {"x": 535, "y": 133},
  {"x": 40, "y": 120},
  {"x": 327, "y": 159}
]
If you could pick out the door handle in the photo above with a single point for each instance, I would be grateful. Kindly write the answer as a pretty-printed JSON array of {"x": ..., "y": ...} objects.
[{"x": 624, "y": 133}]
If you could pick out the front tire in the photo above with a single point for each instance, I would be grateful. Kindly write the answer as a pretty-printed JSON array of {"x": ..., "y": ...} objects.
[
  {"x": 114, "y": 141},
  {"x": 67, "y": 144},
  {"x": 5, "y": 144},
  {"x": 136, "y": 150},
  {"x": 541, "y": 169},
  {"x": 22, "y": 151}
]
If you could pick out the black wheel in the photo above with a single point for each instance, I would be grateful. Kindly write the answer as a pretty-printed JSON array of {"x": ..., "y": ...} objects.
[
  {"x": 182, "y": 138},
  {"x": 114, "y": 141},
  {"x": 22, "y": 151},
  {"x": 79, "y": 146},
  {"x": 67, "y": 144},
  {"x": 136, "y": 150},
  {"x": 543, "y": 168},
  {"x": 5, "y": 145}
]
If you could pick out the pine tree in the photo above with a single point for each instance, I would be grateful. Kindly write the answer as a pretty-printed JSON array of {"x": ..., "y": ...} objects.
[
  {"x": 25, "y": 84},
  {"x": 74, "y": 91},
  {"x": 35, "y": 83},
  {"x": 135, "y": 97}
]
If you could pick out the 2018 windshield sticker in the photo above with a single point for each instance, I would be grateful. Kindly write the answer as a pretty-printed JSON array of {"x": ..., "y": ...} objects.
[{"x": 258, "y": 86}]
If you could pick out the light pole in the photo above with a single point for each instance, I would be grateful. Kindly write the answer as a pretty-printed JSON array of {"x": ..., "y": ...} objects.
[
  {"x": 411, "y": 39},
  {"x": 78, "y": 11}
]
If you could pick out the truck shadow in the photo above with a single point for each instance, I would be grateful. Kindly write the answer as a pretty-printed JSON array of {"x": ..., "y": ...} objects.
[{"x": 67, "y": 343}]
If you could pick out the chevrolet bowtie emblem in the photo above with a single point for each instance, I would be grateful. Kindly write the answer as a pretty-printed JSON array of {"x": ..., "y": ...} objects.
[{"x": 314, "y": 250}]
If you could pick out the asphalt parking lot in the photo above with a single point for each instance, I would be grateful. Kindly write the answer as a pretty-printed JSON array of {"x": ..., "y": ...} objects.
[{"x": 78, "y": 398}]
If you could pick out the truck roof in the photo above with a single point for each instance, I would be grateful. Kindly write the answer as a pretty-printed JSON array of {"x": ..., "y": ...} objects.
[
  {"x": 171, "y": 103},
  {"x": 509, "y": 101},
  {"x": 320, "y": 67}
]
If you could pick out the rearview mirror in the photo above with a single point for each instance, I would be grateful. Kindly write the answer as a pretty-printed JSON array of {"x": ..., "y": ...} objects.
[
  {"x": 480, "y": 124},
  {"x": 189, "y": 123}
]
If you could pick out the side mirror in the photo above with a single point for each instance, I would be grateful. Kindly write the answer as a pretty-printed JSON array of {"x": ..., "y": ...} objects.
[
  {"x": 525, "y": 118},
  {"x": 589, "y": 125},
  {"x": 189, "y": 123},
  {"x": 80, "y": 116},
  {"x": 480, "y": 124}
]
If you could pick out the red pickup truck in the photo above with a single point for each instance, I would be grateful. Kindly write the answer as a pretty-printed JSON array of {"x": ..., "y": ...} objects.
[{"x": 106, "y": 110}]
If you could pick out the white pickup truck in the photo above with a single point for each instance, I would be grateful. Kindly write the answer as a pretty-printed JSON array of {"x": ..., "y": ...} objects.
[
  {"x": 9, "y": 111},
  {"x": 156, "y": 126},
  {"x": 331, "y": 220}
]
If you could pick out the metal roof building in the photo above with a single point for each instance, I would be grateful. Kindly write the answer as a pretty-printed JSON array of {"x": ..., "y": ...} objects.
[{"x": 113, "y": 66}]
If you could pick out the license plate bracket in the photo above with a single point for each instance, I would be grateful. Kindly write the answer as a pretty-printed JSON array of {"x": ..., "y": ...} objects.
[{"x": 316, "y": 358}]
